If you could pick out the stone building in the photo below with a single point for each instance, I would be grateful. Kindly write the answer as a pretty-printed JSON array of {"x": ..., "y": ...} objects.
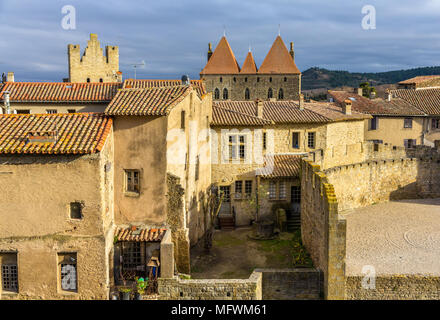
[
  {"x": 257, "y": 149},
  {"x": 277, "y": 78},
  {"x": 93, "y": 65},
  {"x": 420, "y": 82}
]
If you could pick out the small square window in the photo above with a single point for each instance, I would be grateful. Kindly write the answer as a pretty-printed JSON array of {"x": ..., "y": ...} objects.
[
  {"x": 407, "y": 123},
  {"x": 311, "y": 140},
  {"x": 76, "y": 210},
  {"x": 132, "y": 181},
  {"x": 238, "y": 189},
  {"x": 295, "y": 140}
]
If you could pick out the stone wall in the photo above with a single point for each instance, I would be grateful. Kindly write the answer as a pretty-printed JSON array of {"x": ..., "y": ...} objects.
[
  {"x": 395, "y": 287},
  {"x": 323, "y": 231},
  {"x": 291, "y": 284},
  {"x": 211, "y": 289}
]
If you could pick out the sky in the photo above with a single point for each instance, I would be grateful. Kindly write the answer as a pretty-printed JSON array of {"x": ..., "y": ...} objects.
[{"x": 172, "y": 36}]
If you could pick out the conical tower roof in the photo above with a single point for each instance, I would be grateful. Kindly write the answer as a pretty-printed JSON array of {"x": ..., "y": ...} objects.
[
  {"x": 222, "y": 60},
  {"x": 249, "y": 65},
  {"x": 279, "y": 60}
]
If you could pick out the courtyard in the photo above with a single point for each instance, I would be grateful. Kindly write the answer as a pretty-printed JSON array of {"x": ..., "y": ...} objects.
[
  {"x": 397, "y": 237},
  {"x": 234, "y": 255}
]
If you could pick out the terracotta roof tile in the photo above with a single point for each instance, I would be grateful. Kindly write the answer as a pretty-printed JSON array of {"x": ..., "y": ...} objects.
[
  {"x": 249, "y": 65},
  {"x": 419, "y": 79},
  {"x": 222, "y": 60},
  {"x": 426, "y": 100},
  {"x": 395, "y": 107},
  {"x": 333, "y": 112},
  {"x": 73, "y": 133},
  {"x": 281, "y": 165},
  {"x": 140, "y": 234},
  {"x": 60, "y": 91},
  {"x": 278, "y": 60},
  {"x": 147, "y": 102},
  {"x": 158, "y": 83},
  {"x": 226, "y": 117}
]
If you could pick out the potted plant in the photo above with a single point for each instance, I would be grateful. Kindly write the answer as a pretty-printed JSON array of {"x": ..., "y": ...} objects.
[
  {"x": 125, "y": 293},
  {"x": 141, "y": 284}
]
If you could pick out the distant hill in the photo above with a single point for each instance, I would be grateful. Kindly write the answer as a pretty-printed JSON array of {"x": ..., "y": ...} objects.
[{"x": 315, "y": 78}]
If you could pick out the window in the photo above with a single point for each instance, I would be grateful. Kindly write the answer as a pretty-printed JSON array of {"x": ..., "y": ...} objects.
[
  {"x": 270, "y": 79},
  {"x": 270, "y": 93},
  {"x": 197, "y": 169},
  {"x": 281, "y": 94},
  {"x": 67, "y": 270},
  {"x": 131, "y": 255},
  {"x": 435, "y": 124},
  {"x": 182, "y": 120},
  {"x": 235, "y": 79},
  {"x": 295, "y": 140},
  {"x": 76, "y": 210},
  {"x": 221, "y": 79},
  {"x": 237, "y": 147},
  {"x": 295, "y": 194},
  {"x": 23, "y": 111},
  {"x": 226, "y": 192},
  {"x": 9, "y": 272},
  {"x": 245, "y": 79},
  {"x": 374, "y": 123},
  {"x": 216, "y": 94},
  {"x": 410, "y": 143},
  {"x": 285, "y": 79},
  {"x": 71, "y": 110},
  {"x": 51, "y": 111},
  {"x": 132, "y": 181},
  {"x": 88, "y": 79},
  {"x": 258, "y": 79},
  {"x": 407, "y": 123},
  {"x": 264, "y": 140},
  {"x": 238, "y": 189},
  {"x": 282, "y": 190},
  {"x": 311, "y": 140},
  {"x": 100, "y": 80},
  {"x": 247, "y": 94},
  {"x": 272, "y": 190},
  {"x": 225, "y": 94},
  {"x": 248, "y": 188}
]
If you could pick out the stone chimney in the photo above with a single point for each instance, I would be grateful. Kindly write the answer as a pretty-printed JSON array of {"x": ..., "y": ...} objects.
[
  {"x": 292, "y": 53},
  {"x": 389, "y": 95},
  {"x": 209, "y": 50},
  {"x": 6, "y": 102},
  {"x": 301, "y": 102},
  {"x": 10, "y": 77},
  {"x": 260, "y": 108},
  {"x": 360, "y": 92},
  {"x": 346, "y": 107}
]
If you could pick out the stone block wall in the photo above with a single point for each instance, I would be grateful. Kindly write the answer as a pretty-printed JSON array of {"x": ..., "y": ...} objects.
[
  {"x": 323, "y": 230},
  {"x": 395, "y": 287},
  {"x": 211, "y": 289}
]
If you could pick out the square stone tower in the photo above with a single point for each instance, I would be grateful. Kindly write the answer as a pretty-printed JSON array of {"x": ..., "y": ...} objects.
[{"x": 93, "y": 66}]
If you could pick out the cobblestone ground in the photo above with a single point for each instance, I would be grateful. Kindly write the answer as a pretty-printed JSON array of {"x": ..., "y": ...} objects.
[{"x": 398, "y": 237}]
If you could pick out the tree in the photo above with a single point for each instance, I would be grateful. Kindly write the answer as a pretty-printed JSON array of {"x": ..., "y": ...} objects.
[{"x": 211, "y": 202}]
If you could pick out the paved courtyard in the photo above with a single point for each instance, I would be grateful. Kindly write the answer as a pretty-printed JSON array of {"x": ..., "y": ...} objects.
[{"x": 398, "y": 237}]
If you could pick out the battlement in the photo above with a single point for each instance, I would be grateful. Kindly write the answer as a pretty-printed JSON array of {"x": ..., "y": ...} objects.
[{"x": 93, "y": 65}]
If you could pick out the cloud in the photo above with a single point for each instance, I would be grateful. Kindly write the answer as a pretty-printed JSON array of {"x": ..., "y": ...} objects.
[{"x": 172, "y": 36}]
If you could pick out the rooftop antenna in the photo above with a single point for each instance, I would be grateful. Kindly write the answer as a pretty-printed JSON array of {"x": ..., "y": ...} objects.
[
  {"x": 135, "y": 65},
  {"x": 250, "y": 48},
  {"x": 279, "y": 29}
]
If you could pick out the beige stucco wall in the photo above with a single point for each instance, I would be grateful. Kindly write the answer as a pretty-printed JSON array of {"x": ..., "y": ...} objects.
[
  {"x": 35, "y": 221},
  {"x": 391, "y": 130}
]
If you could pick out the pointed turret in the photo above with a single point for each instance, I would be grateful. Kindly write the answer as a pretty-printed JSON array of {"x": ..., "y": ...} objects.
[
  {"x": 222, "y": 60},
  {"x": 279, "y": 60},
  {"x": 249, "y": 65}
]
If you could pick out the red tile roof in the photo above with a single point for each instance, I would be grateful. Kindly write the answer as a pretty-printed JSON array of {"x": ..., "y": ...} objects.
[
  {"x": 222, "y": 60},
  {"x": 281, "y": 166},
  {"x": 140, "y": 234},
  {"x": 226, "y": 117},
  {"x": 426, "y": 100},
  {"x": 249, "y": 65},
  {"x": 158, "y": 83},
  {"x": 278, "y": 60},
  {"x": 147, "y": 102},
  {"x": 419, "y": 79},
  {"x": 60, "y": 91},
  {"x": 73, "y": 133},
  {"x": 395, "y": 107}
]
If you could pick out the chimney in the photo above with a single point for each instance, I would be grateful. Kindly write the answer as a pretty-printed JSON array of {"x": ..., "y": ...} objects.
[
  {"x": 292, "y": 53},
  {"x": 346, "y": 107},
  {"x": 260, "y": 108},
  {"x": 301, "y": 102},
  {"x": 372, "y": 95},
  {"x": 389, "y": 95},
  {"x": 10, "y": 77},
  {"x": 209, "y": 50},
  {"x": 360, "y": 92},
  {"x": 6, "y": 102}
]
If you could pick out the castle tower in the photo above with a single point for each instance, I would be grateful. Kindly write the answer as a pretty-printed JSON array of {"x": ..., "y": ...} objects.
[{"x": 93, "y": 66}]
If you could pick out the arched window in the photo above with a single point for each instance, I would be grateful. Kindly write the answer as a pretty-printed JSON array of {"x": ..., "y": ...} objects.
[
  {"x": 225, "y": 94},
  {"x": 216, "y": 94},
  {"x": 247, "y": 94},
  {"x": 270, "y": 93},
  {"x": 235, "y": 79},
  {"x": 221, "y": 79},
  {"x": 270, "y": 79},
  {"x": 281, "y": 94}
]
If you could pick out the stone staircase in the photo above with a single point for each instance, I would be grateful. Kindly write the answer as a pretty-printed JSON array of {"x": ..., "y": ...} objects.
[
  {"x": 226, "y": 222},
  {"x": 293, "y": 221}
]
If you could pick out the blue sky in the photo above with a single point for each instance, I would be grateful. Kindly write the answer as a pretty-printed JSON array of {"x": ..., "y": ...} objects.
[{"x": 172, "y": 36}]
